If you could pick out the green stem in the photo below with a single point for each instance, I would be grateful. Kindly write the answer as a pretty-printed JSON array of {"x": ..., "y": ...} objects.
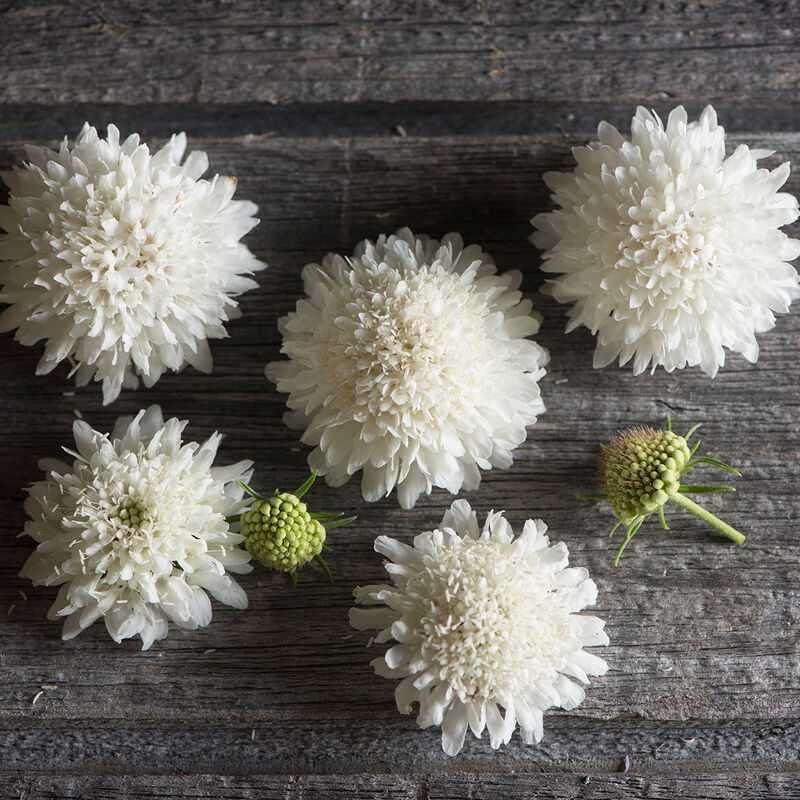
[{"x": 707, "y": 517}]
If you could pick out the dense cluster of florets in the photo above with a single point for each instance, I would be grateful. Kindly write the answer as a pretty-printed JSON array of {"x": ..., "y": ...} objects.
[
  {"x": 280, "y": 533},
  {"x": 640, "y": 471}
]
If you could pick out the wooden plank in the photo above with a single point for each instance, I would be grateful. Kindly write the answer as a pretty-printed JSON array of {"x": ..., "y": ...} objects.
[
  {"x": 728, "y": 786},
  {"x": 699, "y": 628},
  {"x": 56, "y": 52},
  {"x": 388, "y": 743}
]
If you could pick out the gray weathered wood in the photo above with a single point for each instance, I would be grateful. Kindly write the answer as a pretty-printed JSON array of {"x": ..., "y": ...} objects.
[
  {"x": 366, "y": 50},
  {"x": 726, "y": 786},
  {"x": 699, "y": 628},
  {"x": 301, "y": 101}
]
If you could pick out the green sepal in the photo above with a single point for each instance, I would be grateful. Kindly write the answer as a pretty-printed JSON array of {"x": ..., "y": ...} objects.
[
  {"x": 614, "y": 529},
  {"x": 337, "y": 523},
  {"x": 692, "y": 430},
  {"x": 324, "y": 566},
  {"x": 714, "y": 463},
  {"x": 307, "y": 484},
  {"x": 251, "y": 492},
  {"x": 636, "y": 523},
  {"x": 689, "y": 489}
]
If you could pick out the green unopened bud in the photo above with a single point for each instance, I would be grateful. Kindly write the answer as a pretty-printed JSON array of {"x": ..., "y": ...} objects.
[
  {"x": 280, "y": 533},
  {"x": 640, "y": 470}
]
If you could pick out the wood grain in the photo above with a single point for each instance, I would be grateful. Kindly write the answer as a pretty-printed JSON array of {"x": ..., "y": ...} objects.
[
  {"x": 302, "y": 101},
  {"x": 384, "y": 50},
  {"x": 699, "y": 629}
]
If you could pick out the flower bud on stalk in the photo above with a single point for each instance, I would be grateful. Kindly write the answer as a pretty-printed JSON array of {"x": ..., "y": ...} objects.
[{"x": 640, "y": 471}]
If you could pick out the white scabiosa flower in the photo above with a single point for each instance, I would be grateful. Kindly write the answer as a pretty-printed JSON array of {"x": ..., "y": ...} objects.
[
  {"x": 123, "y": 261},
  {"x": 135, "y": 530},
  {"x": 409, "y": 361},
  {"x": 668, "y": 250},
  {"x": 483, "y": 621}
]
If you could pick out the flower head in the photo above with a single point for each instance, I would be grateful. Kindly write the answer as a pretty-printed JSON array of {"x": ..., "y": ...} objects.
[
  {"x": 125, "y": 262},
  {"x": 668, "y": 250},
  {"x": 135, "y": 530},
  {"x": 281, "y": 534},
  {"x": 482, "y": 621},
  {"x": 409, "y": 361},
  {"x": 641, "y": 470}
]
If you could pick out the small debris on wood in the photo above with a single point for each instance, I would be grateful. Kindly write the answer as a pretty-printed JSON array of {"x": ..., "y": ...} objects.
[
  {"x": 209, "y": 651},
  {"x": 400, "y": 131},
  {"x": 11, "y": 608},
  {"x": 68, "y": 394},
  {"x": 36, "y": 697},
  {"x": 48, "y": 687},
  {"x": 561, "y": 380},
  {"x": 624, "y": 765},
  {"x": 77, "y": 413},
  {"x": 23, "y": 595},
  {"x": 253, "y": 735}
]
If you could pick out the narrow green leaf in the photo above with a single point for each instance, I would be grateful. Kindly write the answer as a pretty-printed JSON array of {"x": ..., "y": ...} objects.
[
  {"x": 324, "y": 566},
  {"x": 307, "y": 484},
  {"x": 692, "y": 430},
  {"x": 694, "y": 449},
  {"x": 337, "y": 523},
  {"x": 669, "y": 423},
  {"x": 688, "y": 489},
  {"x": 662, "y": 519},
  {"x": 325, "y": 515},
  {"x": 234, "y": 518},
  {"x": 251, "y": 492},
  {"x": 293, "y": 576},
  {"x": 632, "y": 528},
  {"x": 714, "y": 463},
  {"x": 613, "y": 530}
]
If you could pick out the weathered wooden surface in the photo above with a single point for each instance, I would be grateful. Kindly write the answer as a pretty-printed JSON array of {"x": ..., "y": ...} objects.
[
  {"x": 360, "y": 50},
  {"x": 704, "y": 692}
]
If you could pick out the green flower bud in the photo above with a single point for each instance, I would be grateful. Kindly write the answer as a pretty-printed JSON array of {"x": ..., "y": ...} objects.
[
  {"x": 280, "y": 533},
  {"x": 640, "y": 470}
]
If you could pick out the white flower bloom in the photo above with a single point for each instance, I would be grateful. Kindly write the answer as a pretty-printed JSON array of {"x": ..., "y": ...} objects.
[
  {"x": 135, "y": 531},
  {"x": 482, "y": 621},
  {"x": 125, "y": 262},
  {"x": 669, "y": 251},
  {"x": 409, "y": 361}
]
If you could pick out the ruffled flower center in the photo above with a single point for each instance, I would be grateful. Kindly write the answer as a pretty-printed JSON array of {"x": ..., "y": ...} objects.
[
  {"x": 476, "y": 626},
  {"x": 404, "y": 351},
  {"x": 124, "y": 520}
]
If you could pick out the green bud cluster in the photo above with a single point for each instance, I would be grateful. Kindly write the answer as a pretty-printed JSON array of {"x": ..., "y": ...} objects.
[
  {"x": 280, "y": 533},
  {"x": 640, "y": 470}
]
